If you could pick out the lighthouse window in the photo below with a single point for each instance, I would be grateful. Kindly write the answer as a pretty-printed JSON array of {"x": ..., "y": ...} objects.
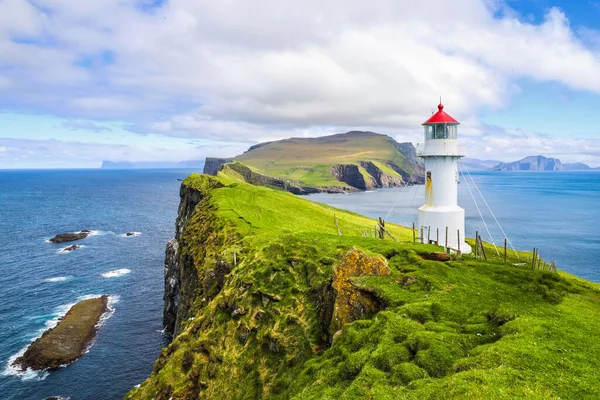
[
  {"x": 428, "y": 176},
  {"x": 440, "y": 131}
]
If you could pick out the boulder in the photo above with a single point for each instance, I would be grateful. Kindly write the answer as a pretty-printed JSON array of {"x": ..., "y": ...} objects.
[
  {"x": 436, "y": 256},
  {"x": 352, "y": 303}
]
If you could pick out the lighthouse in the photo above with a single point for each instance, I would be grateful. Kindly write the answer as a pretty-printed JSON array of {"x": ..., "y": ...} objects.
[{"x": 441, "y": 214}]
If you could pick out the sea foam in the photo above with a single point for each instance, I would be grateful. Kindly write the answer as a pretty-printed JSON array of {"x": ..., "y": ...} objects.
[
  {"x": 116, "y": 273},
  {"x": 58, "y": 279}
]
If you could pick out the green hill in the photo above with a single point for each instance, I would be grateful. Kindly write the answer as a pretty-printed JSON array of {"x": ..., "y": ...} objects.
[
  {"x": 347, "y": 161},
  {"x": 268, "y": 301}
]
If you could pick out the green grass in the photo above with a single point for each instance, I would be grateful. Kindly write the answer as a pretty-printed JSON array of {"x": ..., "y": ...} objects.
[{"x": 462, "y": 329}]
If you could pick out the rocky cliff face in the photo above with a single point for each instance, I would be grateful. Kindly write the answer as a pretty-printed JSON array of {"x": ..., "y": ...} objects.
[
  {"x": 350, "y": 175},
  {"x": 531, "y": 163},
  {"x": 380, "y": 178},
  {"x": 213, "y": 165},
  {"x": 182, "y": 280}
]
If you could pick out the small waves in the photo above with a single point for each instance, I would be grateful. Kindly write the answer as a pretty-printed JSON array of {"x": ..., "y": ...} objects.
[
  {"x": 57, "y": 279},
  {"x": 116, "y": 273}
]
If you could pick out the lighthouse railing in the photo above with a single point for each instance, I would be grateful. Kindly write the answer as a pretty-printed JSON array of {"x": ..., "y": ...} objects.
[{"x": 441, "y": 148}]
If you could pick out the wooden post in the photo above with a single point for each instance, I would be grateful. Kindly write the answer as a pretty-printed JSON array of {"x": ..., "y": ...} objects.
[
  {"x": 447, "y": 250},
  {"x": 533, "y": 259},
  {"x": 414, "y": 235},
  {"x": 504, "y": 250},
  {"x": 482, "y": 249},
  {"x": 429, "y": 234},
  {"x": 421, "y": 235},
  {"x": 477, "y": 244},
  {"x": 437, "y": 239},
  {"x": 381, "y": 228}
]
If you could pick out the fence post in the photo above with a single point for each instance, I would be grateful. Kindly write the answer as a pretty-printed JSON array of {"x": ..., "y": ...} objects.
[
  {"x": 458, "y": 235},
  {"x": 429, "y": 234},
  {"x": 447, "y": 250},
  {"x": 437, "y": 240},
  {"x": 414, "y": 235},
  {"x": 421, "y": 235},
  {"x": 381, "y": 228},
  {"x": 504, "y": 250},
  {"x": 477, "y": 244}
]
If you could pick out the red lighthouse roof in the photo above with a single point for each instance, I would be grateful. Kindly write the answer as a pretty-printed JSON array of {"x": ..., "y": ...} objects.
[{"x": 440, "y": 117}]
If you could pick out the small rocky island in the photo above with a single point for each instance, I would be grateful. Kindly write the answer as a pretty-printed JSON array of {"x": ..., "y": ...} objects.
[
  {"x": 67, "y": 341},
  {"x": 70, "y": 237},
  {"x": 72, "y": 248}
]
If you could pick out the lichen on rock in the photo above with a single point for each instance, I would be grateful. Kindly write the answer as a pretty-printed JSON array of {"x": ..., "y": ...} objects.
[{"x": 352, "y": 303}]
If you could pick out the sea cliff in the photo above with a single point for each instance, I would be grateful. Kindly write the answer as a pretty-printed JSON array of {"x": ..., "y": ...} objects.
[{"x": 265, "y": 299}]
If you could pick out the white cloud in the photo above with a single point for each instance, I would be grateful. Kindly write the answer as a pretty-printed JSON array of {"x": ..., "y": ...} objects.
[{"x": 249, "y": 71}]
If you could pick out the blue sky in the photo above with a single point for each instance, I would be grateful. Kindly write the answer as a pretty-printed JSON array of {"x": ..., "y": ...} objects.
[{"x": 143, "y": 80}]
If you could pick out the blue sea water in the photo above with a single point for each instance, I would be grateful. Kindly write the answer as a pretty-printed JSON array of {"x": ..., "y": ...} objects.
[
  {"x": 38, "y": 282},
  {"x": 557, "y": 212}
]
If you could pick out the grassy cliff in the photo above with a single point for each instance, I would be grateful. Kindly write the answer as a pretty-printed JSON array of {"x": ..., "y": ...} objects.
[
  {"x": 349, "y": 161},
  {"x": 273, "y": 303}
]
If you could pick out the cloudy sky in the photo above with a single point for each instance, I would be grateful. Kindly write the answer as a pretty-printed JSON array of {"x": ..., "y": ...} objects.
[{"x": 142, "y": 80}]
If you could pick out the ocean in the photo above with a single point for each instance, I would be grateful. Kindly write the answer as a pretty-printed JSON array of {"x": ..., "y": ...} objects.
[
  {"x": 556, "y": 212},
  {"x": 38, "y": 282}
]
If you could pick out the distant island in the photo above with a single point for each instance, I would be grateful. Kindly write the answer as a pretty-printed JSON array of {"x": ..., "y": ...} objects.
[
  {"x": 189, "y": 164},
  {"x": 541, "y": 163},
  {"x": 345, "y": 162}
]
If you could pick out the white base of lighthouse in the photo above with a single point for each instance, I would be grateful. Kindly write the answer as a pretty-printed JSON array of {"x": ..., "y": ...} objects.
[{"x": 433, "y": 221}]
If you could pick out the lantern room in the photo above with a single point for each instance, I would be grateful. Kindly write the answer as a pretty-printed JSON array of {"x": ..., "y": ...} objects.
[{"x": 440, "y": 126}]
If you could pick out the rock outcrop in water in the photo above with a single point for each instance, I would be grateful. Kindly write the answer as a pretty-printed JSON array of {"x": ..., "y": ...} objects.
[
  {"x": 72, "y": 248},
  {"x": 67, "y": 341},
  {"x": 70, "y": 237}
]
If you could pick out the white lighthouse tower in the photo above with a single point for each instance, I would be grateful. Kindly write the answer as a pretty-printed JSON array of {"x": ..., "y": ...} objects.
[{"x": 441, "y": 213}]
